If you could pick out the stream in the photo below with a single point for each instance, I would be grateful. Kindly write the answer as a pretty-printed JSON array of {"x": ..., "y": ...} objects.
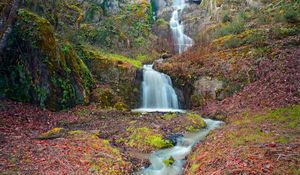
[
  {"x": 158, "y": 95},
  {"x": 179, "y": 152}
]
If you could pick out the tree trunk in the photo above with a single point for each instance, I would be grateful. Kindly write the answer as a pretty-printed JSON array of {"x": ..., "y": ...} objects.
[{"x": 8, "y": 17}]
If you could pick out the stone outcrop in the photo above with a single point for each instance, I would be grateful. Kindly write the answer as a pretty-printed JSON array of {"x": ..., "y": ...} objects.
[{"x": 36, "y": 67}]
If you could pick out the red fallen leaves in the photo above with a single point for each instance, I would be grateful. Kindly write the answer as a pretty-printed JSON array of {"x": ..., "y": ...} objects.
[
  {"x": 278, "y": 86},
  {"x": 21, "y": 154}
]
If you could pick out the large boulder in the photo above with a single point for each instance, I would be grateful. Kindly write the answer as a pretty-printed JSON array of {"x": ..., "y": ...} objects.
[
  {"x": 115, "y": 72},
  {"x": 205, "y": 88},
  {"x": 36, "y": 67}
]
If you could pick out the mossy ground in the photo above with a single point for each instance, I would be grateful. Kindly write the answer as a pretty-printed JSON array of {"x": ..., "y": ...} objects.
[
  {"x": 266, "y": 142},
  {"x": 143, "y": 138},
  {"x": 89, "y": 136}
]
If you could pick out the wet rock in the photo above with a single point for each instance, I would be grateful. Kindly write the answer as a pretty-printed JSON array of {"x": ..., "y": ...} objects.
[
  {"x": 173, "y": 137},
  {"x": 166, "y": 55}
]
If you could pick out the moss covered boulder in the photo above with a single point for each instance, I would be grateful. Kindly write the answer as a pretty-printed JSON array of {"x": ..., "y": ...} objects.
[
  {"x": 146, "y": 139},
  {"x": 197, "y": 122},
  {"x": 39, "y": 68},
  {"x": 116, "y": 72}
]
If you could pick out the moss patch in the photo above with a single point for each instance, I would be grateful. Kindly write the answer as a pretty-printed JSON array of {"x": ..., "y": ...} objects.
[
  {"x": 145, "y": 138},
  {"x": 120, "y": 106},
  {"x": 168, "y": 116},
  {"x": 52, "y": 134},
  {"x": 197, "y": 121}
]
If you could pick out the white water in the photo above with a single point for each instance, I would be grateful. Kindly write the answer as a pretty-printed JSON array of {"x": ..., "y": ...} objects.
[
  {"x": 158, "y": 93},
  {"x": 182, "y": 41},
  {"x": 178, "y": 152}
]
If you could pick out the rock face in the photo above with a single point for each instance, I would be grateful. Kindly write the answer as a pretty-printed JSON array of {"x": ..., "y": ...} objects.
[
  {"x": 197, "y": 17},
  {"x": 37, "y": 68},
  {"x": 206, "y": 88},
  {"x": 119, "y": 79}
]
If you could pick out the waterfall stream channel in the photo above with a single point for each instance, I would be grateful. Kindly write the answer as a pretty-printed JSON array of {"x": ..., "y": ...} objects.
[{"x": 158, "y": 95}]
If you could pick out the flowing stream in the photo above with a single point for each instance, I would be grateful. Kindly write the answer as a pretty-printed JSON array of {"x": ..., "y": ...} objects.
[
  {"x": 182, "y": 41},
  {"x": 158, "y": 94},
  {"x": 179, "y": 152}
]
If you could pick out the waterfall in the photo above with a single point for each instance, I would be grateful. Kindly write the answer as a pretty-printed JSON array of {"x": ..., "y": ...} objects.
[
  {"x": 158, "y": 93},
  {"x": 182, "y": 41}
]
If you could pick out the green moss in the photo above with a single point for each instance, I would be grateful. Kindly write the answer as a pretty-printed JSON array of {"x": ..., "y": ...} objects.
[
  {"x": 282, "y": 118},
  {"x": 76, "y": 132},
  {"x": 250, "y": 135},
  {"x": 191, "y": 129},
  {"x": 103, "y": 97},
  {"x": 51, "y": 134},
  {"x": 286, "y": 117},
  {"x": 197, "y": 120},
  {"x": 235, "y": 27},
  {"x": 90, "y": 54},
  {"x": 120, "y": 106},
  {"x": 168, "y": 116},
  {"x": 169, "y": 162},
  {"x": 135, "y": 63},
  {"x": 145, "y": 137},
  {"x": 282, "y": 32},
  {"x": 283, "y": 140},
  {"x": 60, "y": 79},
  {"x": 197, "y": 100},
  {"x": 162, "y": 22}
]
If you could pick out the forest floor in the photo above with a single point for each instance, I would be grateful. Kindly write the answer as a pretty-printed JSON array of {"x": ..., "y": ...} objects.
[{"x": 82, "y": 140}]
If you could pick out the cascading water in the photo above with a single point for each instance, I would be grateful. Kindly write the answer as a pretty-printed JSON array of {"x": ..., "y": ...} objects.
[
  {"x": 182, "y": 41},
  {"x": 159, "y": 95},
  {"x": 179, "y": 152},
  {"x": 158, "y": 92}
]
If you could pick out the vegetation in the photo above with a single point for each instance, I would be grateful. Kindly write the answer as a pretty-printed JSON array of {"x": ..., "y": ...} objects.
[
  {"x": 84, "y": 59},
  {"x": 169, "y": 161},
  {"x": 145, "y": 137},
  {"x": 168, "y": 116}
]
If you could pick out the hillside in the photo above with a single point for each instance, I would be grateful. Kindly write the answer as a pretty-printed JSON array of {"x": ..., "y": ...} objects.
[{"x": 78, "y": 94}]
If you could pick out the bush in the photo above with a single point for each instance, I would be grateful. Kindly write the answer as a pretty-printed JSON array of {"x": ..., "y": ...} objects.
[
  {"x": 291, "y": 16},
  {"x": 232, "y": 43},
  {"x": 235, "y": 27},
  {"x": 226, "y": 18},
  {"x": 256, "y": 38},
  {"x": 279, "y": 33}
]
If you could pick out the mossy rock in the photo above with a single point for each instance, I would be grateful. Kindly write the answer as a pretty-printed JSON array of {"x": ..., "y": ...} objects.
[
  {"x": 120, "y": 106},
  {"x": 52, "y": 134},
  {"x": 169, "y": 162},
  {"x": 197, "y": 122},
  {"x": 197, "y": 100},
  {"x": 146, "y": 139},
  {"x": 103, "y": 97},
  {"x": 57, "y": 77}
]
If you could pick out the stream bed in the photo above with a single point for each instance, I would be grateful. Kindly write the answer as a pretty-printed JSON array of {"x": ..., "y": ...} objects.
[{"x": 178, "y": 153}]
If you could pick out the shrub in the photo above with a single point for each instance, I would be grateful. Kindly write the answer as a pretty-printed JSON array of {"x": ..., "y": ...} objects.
[
  {"x": 256, "y": 38},
  {"x": 283, "y": 32},
  {"x": 235, "y": 27},
  {"x": 291, "y": 16},
  {"x": 232, "y": 43},
  {"x": 226, "y": 18}
]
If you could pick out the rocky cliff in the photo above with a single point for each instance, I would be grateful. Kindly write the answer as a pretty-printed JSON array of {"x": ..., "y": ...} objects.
[{"x": 234, "y": 39}]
